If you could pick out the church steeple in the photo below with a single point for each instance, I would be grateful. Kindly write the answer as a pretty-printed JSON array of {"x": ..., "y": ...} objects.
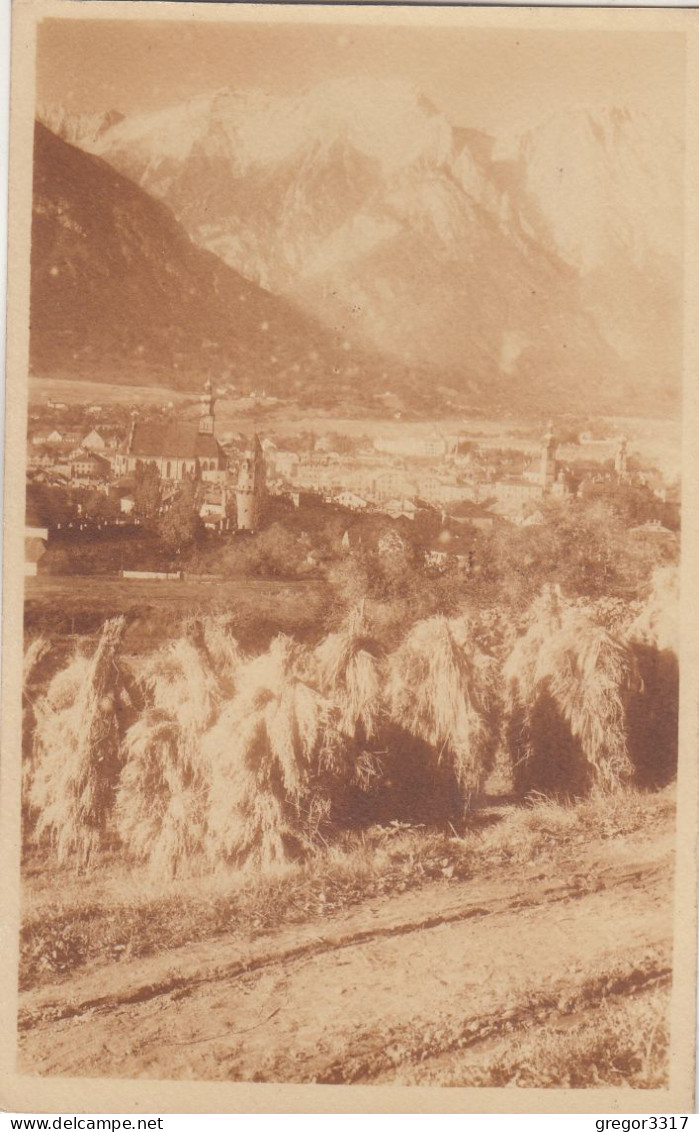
[
  {"x": 547, "y": 473},
  {"x": 251, "y": 487},
  {"x": 207, "y": 400},
  {"x": 621, "y": 457}
]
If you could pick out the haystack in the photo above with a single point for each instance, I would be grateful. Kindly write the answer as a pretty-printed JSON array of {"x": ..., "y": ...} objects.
[
  {"x": 658, "y": 623},
  {"x": 441, "y": 689},
  {"x": 348, "y": 667},
  {"x": 569, "y": 683},
  {"x": 35, "y": 656},
  {"x": 654, "y": 711},
  {"x": 162, "y": 797},
  {"x": 261, "y": 754},
  {"x": 178, "y": 681},
  {"x": 34, "y": 653},
  {"x": 213, "y": 635},
  {"x": 164, "y": 787},
  {"x": 78, "y": 750}
]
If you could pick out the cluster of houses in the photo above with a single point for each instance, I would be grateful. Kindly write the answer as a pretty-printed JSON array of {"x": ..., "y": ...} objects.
[
  {"x": 177, "y": 448},
  {"x": 397, "y": 475},
  {"x": 72, "y": 456}
]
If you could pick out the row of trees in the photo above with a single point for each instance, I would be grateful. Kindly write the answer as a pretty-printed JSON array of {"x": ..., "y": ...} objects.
[{"x": 198, "y": 754}]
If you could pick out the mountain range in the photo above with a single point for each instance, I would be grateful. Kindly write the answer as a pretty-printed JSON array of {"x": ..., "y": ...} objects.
[
  {"x": 541, "y": 266},
  {"x": 120, "y": 293}
]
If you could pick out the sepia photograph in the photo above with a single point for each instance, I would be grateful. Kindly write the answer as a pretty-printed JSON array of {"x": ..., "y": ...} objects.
[{"x": 345, "y": 601}]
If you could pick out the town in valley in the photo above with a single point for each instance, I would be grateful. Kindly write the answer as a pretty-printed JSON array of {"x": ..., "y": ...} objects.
[{"x": 103, "y": 477}]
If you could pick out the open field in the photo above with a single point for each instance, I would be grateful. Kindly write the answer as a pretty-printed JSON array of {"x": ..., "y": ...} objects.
[
  {"x": 534, "y": 951},
  {"x": 42, "y": 389},
  {"x": 59, "y": 605}
]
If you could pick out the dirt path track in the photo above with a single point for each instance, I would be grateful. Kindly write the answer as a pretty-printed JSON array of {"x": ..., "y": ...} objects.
[{"x": 356, "y": 996}]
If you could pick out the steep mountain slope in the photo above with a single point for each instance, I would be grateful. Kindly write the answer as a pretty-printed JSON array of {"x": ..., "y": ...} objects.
[
  {"x": 82, "y": 130},
  {"x": 119, "y": 292},
  {"x": 599, "y": 182},
  {"x": 549, "y": 260},
  {"x": 603, "y": 190}
]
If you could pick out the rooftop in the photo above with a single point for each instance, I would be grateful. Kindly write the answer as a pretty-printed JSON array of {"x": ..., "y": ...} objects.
[{"x": 179, "y": 439}]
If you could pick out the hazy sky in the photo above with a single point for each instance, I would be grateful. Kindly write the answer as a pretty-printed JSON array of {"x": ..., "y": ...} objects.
[{"x": 494, "y": 79}]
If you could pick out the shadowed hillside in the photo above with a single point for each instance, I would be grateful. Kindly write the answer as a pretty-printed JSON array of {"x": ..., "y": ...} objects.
[{"x": 120, "y": 293}]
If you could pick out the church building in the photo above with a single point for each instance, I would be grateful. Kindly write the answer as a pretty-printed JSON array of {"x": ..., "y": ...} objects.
[
  {"x": 177, "y": 448},
  {"x": 515, "y": 493}
]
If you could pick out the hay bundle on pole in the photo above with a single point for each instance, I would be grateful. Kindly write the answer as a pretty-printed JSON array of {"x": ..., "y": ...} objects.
[
  {"x": 213, "y": 635},
  {"x": 261, "y": 753},
  {"x": 569, "y": 683},
  {"x": 178, "y": 681},
  {"x": 162, "y": 795},
  {"x": 35, "y": 655},
  {"x": 441, "y": 689},
  {"x": 544, "y": 619},
  {"x": 348, "y": 667},
  {"x": 591, "y": 675},
  {"x": 78, "y": 750},
  {"x": 163, "y": 789},
  {"x": 654, "y": 711},
  {"x": 658, "y": 622}
]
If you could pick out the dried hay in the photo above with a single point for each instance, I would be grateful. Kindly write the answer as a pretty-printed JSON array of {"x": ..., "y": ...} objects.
[
  {"x": 178, "y": 681},
  {"x": 261, "y": 753},
  {"x": 78, "y": 750},
  {"x": 161, "y": 801},
  {"x": 213, "y": 635},
  {"x": 442, "y": 690},
  {"x": 543, "y": 621},
  {"x": 35, "y": 656},
  {"x": 654, "y": 712},
  {"x": 569, "y": 683},
  {"x": 349, "y": 674},
  {"x": 657, "y": 624},
  {"x": 163, "y": 791}
]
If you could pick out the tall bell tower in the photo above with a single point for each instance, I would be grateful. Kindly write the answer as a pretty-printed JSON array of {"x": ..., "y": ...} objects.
[
  {"x": 251, "y": 488},
  {"x": 207, "y": 401},
  {"x": 547, "y": 468},
  {"x": 621, "y": 458}
]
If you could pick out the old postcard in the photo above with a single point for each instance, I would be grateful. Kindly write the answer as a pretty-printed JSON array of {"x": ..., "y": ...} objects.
[{"x": 350, "y": 646}]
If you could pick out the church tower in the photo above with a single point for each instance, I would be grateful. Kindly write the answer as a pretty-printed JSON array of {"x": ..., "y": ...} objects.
[
  {"x": 621, "y": 458},
  {"x": 547, "y": 472},
  {"x": 207, "y": 399},
  {"x": 251, "y": 487}
]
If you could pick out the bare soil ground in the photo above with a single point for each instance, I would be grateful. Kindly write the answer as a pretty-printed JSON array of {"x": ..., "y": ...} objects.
[{"x": 546, "y": 971}]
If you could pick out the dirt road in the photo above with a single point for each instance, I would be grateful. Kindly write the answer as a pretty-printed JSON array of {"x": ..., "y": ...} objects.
[{"x": 378, "y": 993}]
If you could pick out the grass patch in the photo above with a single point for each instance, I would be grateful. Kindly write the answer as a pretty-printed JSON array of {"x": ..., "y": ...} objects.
[
  {"x": 541, "y": 824},
  {"x": 618, "y": 1044},
  {"x": 121, "y": 913}
]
